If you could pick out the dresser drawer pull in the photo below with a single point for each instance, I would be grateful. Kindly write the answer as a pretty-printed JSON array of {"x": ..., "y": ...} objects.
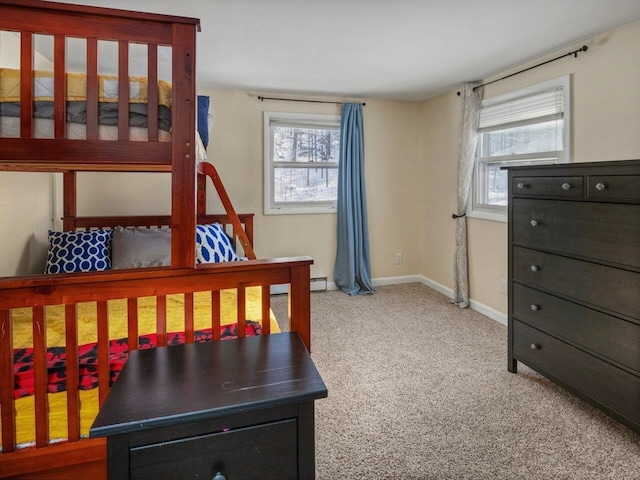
[
  {"x": 535, "y": 307},
  {"x": 535, "y": 346},
  {"x": 600, "y": 186},
  {"x": 534, "y": 223},
  {"x": 566, "y": 186},
  {"x": 535, "y": 268},
  {"x": 521, "y": 185},
  {"x": 219, "y": 476}
]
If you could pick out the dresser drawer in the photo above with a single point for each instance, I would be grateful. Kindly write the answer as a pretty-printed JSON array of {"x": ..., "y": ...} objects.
[
  {"x": 599, "y": 380},
  {"x": 611, "y": 288},
  {"x": 548, "y": 186},
  {"x": 258, "y": 452},
  {"x": 615, "y": 187},
  {"x": 580, "y": 228},
  {"x": 609, "y": 336}
]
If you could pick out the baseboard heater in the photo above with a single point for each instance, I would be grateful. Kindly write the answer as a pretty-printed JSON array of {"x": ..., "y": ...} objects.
[{"x": 318, "y": 284}]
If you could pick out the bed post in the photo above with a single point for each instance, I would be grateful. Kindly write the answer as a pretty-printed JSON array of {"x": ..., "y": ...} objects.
[
  {"x": 183, "y": 177},
  {"x": 300, "y": 303}
]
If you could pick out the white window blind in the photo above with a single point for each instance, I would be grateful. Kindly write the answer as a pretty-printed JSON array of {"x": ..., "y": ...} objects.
[{"x": 539, "y": 107}]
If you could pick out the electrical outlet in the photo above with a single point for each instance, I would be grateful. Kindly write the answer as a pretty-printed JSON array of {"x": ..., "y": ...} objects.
[
  {"x": 398, "y": 258},
  {"x": 503, "y": 286}
]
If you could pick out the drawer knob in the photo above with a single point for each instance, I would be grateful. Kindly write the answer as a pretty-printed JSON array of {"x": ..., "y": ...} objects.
[
  {"x": 600, "y": 186},
  {"x": 535, "y": 307},
  {"x": 535, "y": 268},
  {"x": 566, "y": 186},
  {"x": 219, "y": 476},
  {"x": 534, "y": 346},
  {"x": 521, "y": 185},
  {"x": 534, "y": 223}
]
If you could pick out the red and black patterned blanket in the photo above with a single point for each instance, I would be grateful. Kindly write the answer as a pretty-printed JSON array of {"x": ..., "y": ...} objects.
[{"x": 88, "y": 359}]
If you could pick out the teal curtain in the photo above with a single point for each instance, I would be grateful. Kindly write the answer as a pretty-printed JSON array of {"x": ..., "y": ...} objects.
[{"x": 352, "y": 271}]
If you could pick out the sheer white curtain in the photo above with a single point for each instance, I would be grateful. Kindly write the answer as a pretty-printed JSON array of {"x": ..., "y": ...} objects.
[{"x": 467, "y": 142}]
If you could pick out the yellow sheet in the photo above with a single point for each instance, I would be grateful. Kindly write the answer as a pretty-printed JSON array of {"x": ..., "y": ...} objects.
[
  {"x": 77, "y": 88},
  {"x": 87, "y": 333}
]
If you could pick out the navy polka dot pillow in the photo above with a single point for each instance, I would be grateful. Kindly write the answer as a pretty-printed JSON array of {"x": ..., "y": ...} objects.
[
  {"x": 213, "y": 244},
  {"x": 79, "y": 251}
]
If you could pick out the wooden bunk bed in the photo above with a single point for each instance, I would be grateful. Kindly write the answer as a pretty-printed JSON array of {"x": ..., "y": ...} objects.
[{"x": 59, "y": 299}]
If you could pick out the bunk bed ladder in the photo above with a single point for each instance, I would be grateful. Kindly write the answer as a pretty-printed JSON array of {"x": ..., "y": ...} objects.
[{"x": 209, "y": 170}]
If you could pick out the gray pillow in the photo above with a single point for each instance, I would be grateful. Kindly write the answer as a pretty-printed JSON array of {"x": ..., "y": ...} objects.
[{"x": 140, "y": 247}]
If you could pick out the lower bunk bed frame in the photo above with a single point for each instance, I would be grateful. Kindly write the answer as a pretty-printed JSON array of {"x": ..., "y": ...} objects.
[{"x": 79, "y": 457}]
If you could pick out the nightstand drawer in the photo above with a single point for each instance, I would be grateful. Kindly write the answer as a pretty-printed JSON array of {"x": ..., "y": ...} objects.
[
  {"x": 258, "y": 452},
  {"x": 615, "y": 187},
  {"x": 599, "y": 380},
  {"x": 611, "y": 288},
  {"x": 548, "y": 186},
  {"x": 579, "y": 228},
  {"x": 607, "y": 335}
]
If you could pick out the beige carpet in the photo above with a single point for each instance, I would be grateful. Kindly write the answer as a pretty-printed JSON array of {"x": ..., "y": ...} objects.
[{"x": 419, "y": 389}]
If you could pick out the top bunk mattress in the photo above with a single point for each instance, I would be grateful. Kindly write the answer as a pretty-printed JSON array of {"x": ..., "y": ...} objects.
[{"x": 76, "y": 102}]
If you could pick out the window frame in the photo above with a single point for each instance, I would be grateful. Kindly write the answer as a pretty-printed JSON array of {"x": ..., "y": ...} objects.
[
  {"x": 475, "y": 209},
  {"x": 305, "y": 120}
]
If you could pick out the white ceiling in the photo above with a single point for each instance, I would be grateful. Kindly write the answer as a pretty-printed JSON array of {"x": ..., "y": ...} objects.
[{"x": 389, "y": 49}]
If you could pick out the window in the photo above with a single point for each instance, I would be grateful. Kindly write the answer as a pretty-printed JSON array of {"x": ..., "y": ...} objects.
[
  {"x": 530, "y": 126},
  {"x": 301, "y": 163}
]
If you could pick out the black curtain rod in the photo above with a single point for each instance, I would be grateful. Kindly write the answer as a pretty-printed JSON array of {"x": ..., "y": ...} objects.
[
  {"x": 262, "y": 99},
  {"x": 575, "y": 53}
]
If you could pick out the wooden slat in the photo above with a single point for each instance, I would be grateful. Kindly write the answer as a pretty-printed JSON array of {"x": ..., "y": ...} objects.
[
  {"x": 188, "y": 318},
  {"x": 7, "y": 419},
  {"x": 26, "y": 84},
  {"x": 69, "y": 199},
  {"x": 73, "y": 374},
  {"x": 132, "y": 323},
  {"x": 40, "y": 374},
  {"x": 248, "y": 229},
  {"x": 215, "y": 314},
  {"x": 123, "y": 90},
  {"x": 92, "y": 89},
  {"x": 242, "y": 311},
  {"x": 266, "y": 309},
  {"x": 152, "y": 86},
  {"x": 161, "y": 320},
  {"x": 104, "y": 370},
  {"x": 60, "y": 87}
]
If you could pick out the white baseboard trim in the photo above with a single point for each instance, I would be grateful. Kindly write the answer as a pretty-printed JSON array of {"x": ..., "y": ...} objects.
[
  {"x": 479, "y": 307},
  {"x": 382, "y": 281}
]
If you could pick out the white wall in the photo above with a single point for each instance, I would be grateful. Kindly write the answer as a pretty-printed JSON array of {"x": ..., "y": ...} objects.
[
  {"x": 391, "y": 156},
  {"x": 25, "y": 210},
  {"x": 606, "y": 126}
]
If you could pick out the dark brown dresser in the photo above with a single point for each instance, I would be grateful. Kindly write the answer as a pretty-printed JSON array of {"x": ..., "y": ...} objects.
[
  {"x": 574, "y": 280},
  {"x": 233, "y": 409}
]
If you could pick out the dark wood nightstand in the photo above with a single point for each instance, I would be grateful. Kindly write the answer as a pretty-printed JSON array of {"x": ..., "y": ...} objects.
[{"x": 243, "y": 408}]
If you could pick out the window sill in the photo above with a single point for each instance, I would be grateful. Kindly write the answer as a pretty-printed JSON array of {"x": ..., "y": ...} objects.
[
  {"x": 488, "y": 215},
  {"x": 299, "y": 211}
]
